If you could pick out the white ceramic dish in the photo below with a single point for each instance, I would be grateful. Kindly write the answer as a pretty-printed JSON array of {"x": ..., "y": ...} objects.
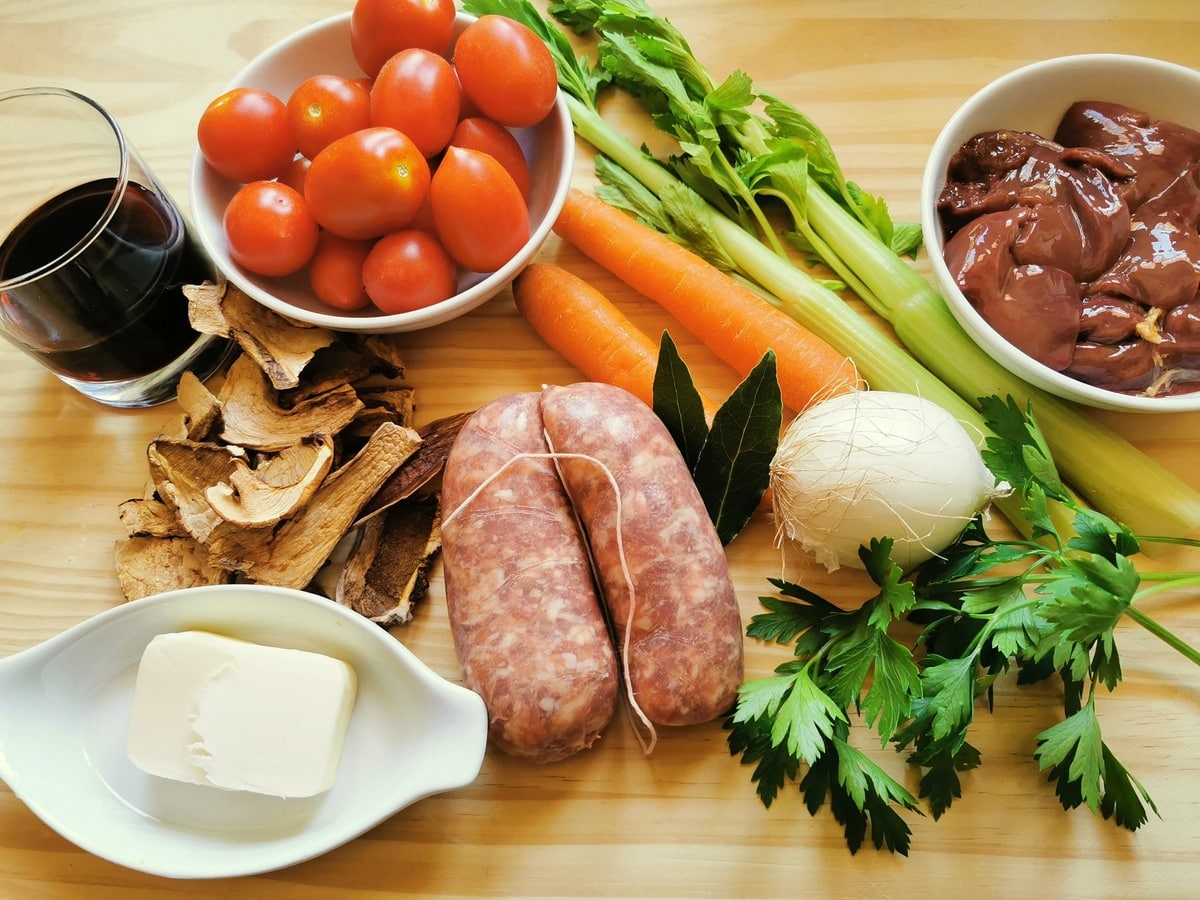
[
  {"x": 1034, "y": 98},
  {"x": 64, "y": 708},
  {"x": 324, "y": 48}
]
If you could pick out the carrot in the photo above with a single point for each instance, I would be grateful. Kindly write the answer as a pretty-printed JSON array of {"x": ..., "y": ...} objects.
[
  {"x": 729, "y": 318},
  {"x": 584, "y": 326}
]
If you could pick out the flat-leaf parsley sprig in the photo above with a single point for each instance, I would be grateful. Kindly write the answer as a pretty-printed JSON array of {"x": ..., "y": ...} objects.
[{"x": 1046, "y": 605}]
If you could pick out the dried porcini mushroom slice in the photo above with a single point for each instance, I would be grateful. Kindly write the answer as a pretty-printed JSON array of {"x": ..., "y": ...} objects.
[
  {"x": 426, "y": 464},
  {"x": 389, "y": 392},
  {"x": 151, "y": 565},
  {"x": 332, "y": 367},
  {"x": 302, "y": 544},
  {"x": 253, "y": 418},
  {"x": 274, "y": 489},
  {"x": 387, "y": 571},
  {"x": 147, "y": 517},
  {"x": 183, "y": 471},
  {"x": 382, "y": 348},
  {"x": 280, "y": 346},
  {"x": 384, "y": 399},
  {"x": 201, "y": 408}
]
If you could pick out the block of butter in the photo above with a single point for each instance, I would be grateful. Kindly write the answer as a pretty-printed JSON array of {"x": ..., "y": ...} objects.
[{"x": 215, "y": 710}]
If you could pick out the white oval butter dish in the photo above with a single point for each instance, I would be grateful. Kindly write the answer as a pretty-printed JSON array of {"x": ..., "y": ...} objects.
[{"x": 64, "y": 710}]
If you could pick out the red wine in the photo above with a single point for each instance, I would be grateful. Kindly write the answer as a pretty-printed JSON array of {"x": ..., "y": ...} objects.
[{"x": 115, "y": 309}]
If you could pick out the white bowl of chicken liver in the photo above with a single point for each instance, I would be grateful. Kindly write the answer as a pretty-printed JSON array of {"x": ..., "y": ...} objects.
[{"x": 1034, "y": 99}]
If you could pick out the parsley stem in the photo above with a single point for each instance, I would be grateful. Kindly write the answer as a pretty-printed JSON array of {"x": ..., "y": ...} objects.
[{"x": 1164, "y": 635}]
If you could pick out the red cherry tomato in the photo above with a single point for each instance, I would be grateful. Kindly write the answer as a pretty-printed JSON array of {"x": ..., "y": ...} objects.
[
  {"x": 506, "y": 71},
  {"x": 381, "y": 28},
  {"x": 269, "y": 229},
  {"x": 409, "y": 270},
  {"x": 417, "y": 92},
  {"x": 336, "y": 271},
  {"x": 367, "y": 184},
  {"x": 295, "y": 173},
  {"x": 492, "y": 138},
  {"x": 478, "y": 211},
  {"x": 244, "y": 135},
  {"x": 423, "y": 220},
  {"x": 324, "y": 108}
]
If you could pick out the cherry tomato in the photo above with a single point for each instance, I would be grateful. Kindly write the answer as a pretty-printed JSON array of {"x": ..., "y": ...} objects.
[
  {"x": 492, "y": 138},
  {"x": 295, "y": 173},
  {"x": 269, "y": 229},
  {"x": 417, "y": 92},
  {"x": 478, "y": 211},
  {"x": 367, "y": 184},
  {"x": 381, "y": 28},
  {"x": 408, "y": 270},
  {"x": 324, "y": 108},
  {"x": 336, "y": 271},
  {"x": 244, "y": 135},
  {"x": 506, "y": 71},
  {"x": 423, "y": 220}
]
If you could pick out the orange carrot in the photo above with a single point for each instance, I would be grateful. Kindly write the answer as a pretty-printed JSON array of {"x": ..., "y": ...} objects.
[
  {"x": 584, "y": 326},
  {"x": 729, "y": 318}
]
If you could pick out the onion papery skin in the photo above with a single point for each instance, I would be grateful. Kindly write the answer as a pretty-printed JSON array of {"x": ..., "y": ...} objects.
[{"x": 875, "y": 464}]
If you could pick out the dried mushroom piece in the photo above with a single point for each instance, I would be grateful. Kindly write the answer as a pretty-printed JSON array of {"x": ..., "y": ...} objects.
[
  {"x": 331, "y": 368},
  {"x": 183, "y": 471},
  {"x": 426, "y": 465},
  {"x": 387, "y": 571},
  {"x": 152, "y": 565},
  {"x": 390, "y": 393},
  {"x": 280, "y": 346},
  {"x": 302, "y": 544},
  {"x": 385, "y": 399},
  {"x": 201, "y": 408},
  {"x": 382, "y": 348},
  {"x": 254, "y": 419},
  {"x": 274, "y": 489},
  {"x": 147, "y": 517}
]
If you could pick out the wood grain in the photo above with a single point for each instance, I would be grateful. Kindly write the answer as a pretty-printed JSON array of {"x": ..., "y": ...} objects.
[{"x": 880, "y": 76}]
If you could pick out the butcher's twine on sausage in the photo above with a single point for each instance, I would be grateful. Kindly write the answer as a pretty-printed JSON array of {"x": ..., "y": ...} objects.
[{"x": 647, "y": 742}]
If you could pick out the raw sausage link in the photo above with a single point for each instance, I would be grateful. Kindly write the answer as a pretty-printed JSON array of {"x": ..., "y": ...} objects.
[
  {"x": 685, "y": 655},
  {"x": 527, "y": 624}
]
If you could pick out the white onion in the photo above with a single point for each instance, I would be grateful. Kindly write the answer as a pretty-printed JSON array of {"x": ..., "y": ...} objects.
[{"x": 874, "y": 464}]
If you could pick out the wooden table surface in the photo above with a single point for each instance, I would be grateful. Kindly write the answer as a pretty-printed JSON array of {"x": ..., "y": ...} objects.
[{"x": 880, "y": 76}]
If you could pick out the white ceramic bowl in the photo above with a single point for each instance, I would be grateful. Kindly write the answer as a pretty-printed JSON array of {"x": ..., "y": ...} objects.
[
  {"x": 324, "y": 48},
  {"x": 64, "y": 713},
  {"x": 1034, "y": 98}
]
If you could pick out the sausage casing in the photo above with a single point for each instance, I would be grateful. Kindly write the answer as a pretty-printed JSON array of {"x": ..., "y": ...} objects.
[
  {"x": 685, "y": 644},
  {"x": 526, "y": 621}
]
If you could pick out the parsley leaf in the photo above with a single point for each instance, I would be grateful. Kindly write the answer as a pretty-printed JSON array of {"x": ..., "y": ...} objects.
[{"x": 1085, "y": 770}]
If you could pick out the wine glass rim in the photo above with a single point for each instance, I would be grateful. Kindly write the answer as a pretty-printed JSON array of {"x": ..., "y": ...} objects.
[{"x": 114, "y": 199}]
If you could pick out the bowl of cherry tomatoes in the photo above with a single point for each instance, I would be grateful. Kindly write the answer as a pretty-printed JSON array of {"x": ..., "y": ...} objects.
[{"x": 383, "y": 175}]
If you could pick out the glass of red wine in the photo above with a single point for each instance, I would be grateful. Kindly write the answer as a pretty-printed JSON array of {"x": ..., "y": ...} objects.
[{"x": 94, "y": 255}]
